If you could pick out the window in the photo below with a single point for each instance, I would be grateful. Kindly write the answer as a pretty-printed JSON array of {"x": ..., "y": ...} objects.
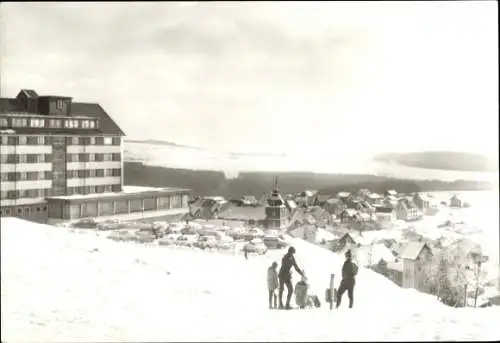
[
  {"x": 93, "y": 124},
  {"x": 99, "y": 189},
  {"x": 107, "y": 157},
  {"x": 55, "y": 123},
  {"x": 19, "y": 122},
  {"x": 22, "y": 176},
  {"x": 108, "y": 140},
  {"x": 81, "y": 173},
  {"x": 22, "y": 158},
  {"x": 99, "y": 157},
  {"x": 83, "y": 140},
  {"x": 12, "y": 140},
  {"x": 76, "y": 124},
  {"x": 107, "y": 188},
  {"x": 37, "y": 122},
  {"x": 99, "y": 140},
  {"x": 31, "y": 158},
  {"x": 47, "y": 158},
  {"x": 4, "y": 177},
  {"x": 11, "y": 176},
  {"x": 21, "y": 140},
  {"x": 32, "y": 140},
  {"x": 92, "y": 141},
  {"x": 83, "y": 157},
  {"x": 116, "y": 156},
  {"x": 3, "y": 140},
  {"x": 117, "y": 172},
  {"x": 46, "y": 193},
  {"x": 91, "y": 172},
  {"x": 4, "y": 122},
  {"x": 108, "y": 172},
  {"x": 59, "y": 104},
  {"x": 11, "y": 194},
  {"x": 91, "y": 157},
  {"x": 3, "y": 158},
  {"x": 99, "y": 172},
  {"x": 85, "y": 124},
  {"x": 116, "y": 188},
  {"x": 47, "y": 175}
]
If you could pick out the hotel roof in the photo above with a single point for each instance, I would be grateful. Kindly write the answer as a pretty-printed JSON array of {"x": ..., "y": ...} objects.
[{"x": 107, "y": 125}]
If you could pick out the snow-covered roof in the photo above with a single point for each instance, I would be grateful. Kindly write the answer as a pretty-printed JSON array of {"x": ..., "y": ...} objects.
[
  {"x": 372, "y": 254},
  {"x": 413, "y": 250},
  {"x": 343, "y": 194}
]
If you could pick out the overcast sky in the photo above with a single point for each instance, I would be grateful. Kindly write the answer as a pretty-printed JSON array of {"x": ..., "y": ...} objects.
[{"x": 269, "y": 77}]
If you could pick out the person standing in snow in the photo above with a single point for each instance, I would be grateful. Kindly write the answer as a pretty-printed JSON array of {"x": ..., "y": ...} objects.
[
  {"x": 272, "y": 284},
  {"x": 285, "y": 276},
  {"x": 349, "y": 271}
]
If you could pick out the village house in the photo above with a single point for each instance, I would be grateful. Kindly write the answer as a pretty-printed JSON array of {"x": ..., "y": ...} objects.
[
  {"x": 344, "y": 243},
  {"x": 335, "y": 206},
  {"x": 249, "y": 200},
  {"x": 391, "y": 193},
  {"x": 426, "y": 204},
  {"x": 348, "y": 215},
  {"x": 392, "y": 270},
  {"x": 373, "y": 198},
  {"x": 390, "y": 201},
  {"x": 345, "y": 197},
  {"x": 407, "y": 210},
  {"x": 321, "y": 199},
  {"x": 416, "y": 257},
  {"x": 384, "y": 216},
  {"x": 455, "y": 201},
  {"x": 363, "y": 192}
]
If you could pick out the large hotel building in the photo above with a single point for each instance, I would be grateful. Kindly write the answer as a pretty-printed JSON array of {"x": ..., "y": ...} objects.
[{"x": 62, "y": 160}]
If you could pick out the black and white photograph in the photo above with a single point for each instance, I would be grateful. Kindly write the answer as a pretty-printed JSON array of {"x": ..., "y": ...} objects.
[{"x": 249, "y": 171}]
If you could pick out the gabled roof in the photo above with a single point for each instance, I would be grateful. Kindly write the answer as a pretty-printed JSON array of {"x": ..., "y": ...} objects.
[
  {"x": 335, "y": 201},
  {"x": 413, "y": 249},
  {"x": 107, "y": 125}
]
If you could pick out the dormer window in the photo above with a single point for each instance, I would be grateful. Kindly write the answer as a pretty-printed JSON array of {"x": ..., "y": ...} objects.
[{"x": 59, "y": 104}]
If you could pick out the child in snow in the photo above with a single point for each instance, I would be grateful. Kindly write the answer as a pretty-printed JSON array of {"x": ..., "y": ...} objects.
[
  {"x": 272, "y": 284},
  {"x": 301, "y": 289}
]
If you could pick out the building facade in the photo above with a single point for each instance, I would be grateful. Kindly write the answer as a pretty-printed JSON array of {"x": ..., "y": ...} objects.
[{"x": 52, "y": 146}]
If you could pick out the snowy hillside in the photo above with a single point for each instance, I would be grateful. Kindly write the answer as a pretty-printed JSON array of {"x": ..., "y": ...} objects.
[
  {"x": 360, "y": 163},
  {"x": 64, "y": 286}
]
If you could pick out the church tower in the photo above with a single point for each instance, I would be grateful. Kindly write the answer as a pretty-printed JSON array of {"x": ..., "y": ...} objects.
[{"x": 276, "y": 210}]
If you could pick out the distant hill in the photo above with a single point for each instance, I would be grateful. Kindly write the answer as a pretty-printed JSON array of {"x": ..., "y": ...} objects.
[
  {"x": 444, "y": 160},
  {"x": 204, "y": 182}
]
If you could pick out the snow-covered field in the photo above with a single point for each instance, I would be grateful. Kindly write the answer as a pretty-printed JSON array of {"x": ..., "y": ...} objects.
[
  {"x": 63, "y": 286},
  {"x": 231, "y": 164}
]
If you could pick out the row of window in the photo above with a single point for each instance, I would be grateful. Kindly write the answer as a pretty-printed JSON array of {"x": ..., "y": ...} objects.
[
  {"x": 8, "y": 211},
  {"x": 98, "y": 157},
  {"x": 83, "y": 173},
  {"x": 26, "y": 193},
  {"x": 70, "y": 174},
  {"x": 26, "y": 176},
  {"x": 49, "y": 123},
  {"x": 25, "y": 158},
  {"x": 45, "y": 158},
  {"x": 93, "y": 189},
  {"x": 47, "y": 192},
  {"x": 47, "y": 140}
]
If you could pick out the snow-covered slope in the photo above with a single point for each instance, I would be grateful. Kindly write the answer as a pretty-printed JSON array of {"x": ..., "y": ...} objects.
[{"x": 63, "y": 286}]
